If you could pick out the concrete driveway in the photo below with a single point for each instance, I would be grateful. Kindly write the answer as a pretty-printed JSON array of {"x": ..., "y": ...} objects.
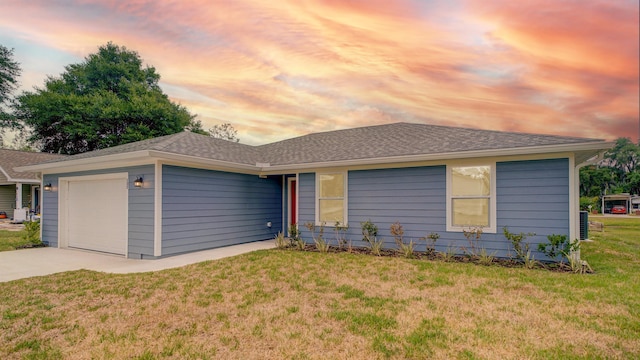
[{"x": 26, "y": 263}]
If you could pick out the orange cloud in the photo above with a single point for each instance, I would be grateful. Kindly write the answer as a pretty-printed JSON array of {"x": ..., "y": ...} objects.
[{"x": 284, "y": 68}]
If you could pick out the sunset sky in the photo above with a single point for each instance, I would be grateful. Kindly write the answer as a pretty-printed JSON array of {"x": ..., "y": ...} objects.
[{"x": 277, "y": 69}]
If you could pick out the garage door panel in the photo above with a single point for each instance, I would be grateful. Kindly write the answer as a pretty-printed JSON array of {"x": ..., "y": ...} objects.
[{"x": 97, "y": 215}]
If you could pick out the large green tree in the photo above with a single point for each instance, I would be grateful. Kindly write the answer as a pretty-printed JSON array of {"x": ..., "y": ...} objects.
[
  {"x": 624, "y": 157},
  {"x": 9, "y": 73},
  {"x": 108, "y": 99},
  {"x": 619, "y": 172},
  {"x": 596, "y": 180}
]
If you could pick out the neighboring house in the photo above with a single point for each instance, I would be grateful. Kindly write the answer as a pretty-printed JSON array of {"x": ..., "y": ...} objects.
[
  {"x": 19, "y": 190},
  {"x": 187, "y": 192}
]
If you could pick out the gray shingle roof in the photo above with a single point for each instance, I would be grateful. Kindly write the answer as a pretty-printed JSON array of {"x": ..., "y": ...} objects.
[
  {"x": 10, "y": 159},
  {"x": 400, "y": 139},
  {"x": 381, "y": 141},
  {"x": 184, "y": 143}
]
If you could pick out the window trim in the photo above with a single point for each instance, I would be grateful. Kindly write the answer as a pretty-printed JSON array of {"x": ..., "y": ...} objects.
[
  {"x": 344, "y": 196},
  {"x": 492, "y": 228}
]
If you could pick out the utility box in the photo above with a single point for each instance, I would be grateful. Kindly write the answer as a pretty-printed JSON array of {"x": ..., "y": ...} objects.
[
  {"x": 20, "y": 215},
  {"x": 584, "y": 225}
]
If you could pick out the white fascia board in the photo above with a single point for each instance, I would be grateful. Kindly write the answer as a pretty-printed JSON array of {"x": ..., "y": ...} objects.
[
  {"x": 135, "y": 158},
  {"x": 563, "y": 148},
  {"x": 200, "y": 162},
  {"x": 25, "y": 181},
  {"x": 11, "y": 180},
  {"x": 5, "y": 173},
  {"x": 92, "y": 163}
]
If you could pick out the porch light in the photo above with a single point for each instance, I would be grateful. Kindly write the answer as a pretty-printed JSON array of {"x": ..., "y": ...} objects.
[
  {"x": 47, "y": 187},
  {"x": 138, "y": 182}
]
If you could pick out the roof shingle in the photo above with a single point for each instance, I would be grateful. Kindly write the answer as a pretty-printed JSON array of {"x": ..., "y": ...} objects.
[
  {"x": 400, "y": 139},
  {"x": 370, "y": 142},
  {"x": 9, "y": 159}
]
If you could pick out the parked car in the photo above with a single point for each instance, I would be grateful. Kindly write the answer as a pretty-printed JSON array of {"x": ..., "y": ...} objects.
[{"x": 619, "y": 209}]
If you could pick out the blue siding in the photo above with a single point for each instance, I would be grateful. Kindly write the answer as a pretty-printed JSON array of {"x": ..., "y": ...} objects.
[
  {"x": 306, "y": 200},
  {"x": 532, "y": 196},
  {"x": 413, "y": 196},
  {"x": 204, "y": 209},
  {"x": 141, "y": 207}
]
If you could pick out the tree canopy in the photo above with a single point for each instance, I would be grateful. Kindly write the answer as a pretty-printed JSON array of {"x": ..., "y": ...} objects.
[
  {"x": 9, "y": 73},
  {"x": 224, "y": 131},
  {"x": 108, "y": 99},
  {"x": 619, "y": 172}
]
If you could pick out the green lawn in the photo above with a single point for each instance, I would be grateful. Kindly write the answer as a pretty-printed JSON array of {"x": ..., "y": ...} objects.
[
  {"x": 307, "y": 305},
  {"x": 9, "y": 240}
]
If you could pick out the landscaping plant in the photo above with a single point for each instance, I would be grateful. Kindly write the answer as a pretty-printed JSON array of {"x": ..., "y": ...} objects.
[
  {"x": 558, "y": 246},
  {"x": 431, "y": 242},
  {"x": 370, "y": 235},
  {"x": 321, "y": 243},
  {"x": 341, "y": 234},
  {"x": 520, "y": 246},
  {"x": 32, "y": 233},
  {"x": 397, "y": 231},
  {"x": 473, "y": 236},
  {"x": 280, "y": 240}
]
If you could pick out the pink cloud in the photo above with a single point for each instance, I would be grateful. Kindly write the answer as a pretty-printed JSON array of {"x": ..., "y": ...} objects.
[{"x": 535, "y": 66}]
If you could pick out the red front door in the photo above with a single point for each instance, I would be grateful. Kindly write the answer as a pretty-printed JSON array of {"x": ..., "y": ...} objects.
[{"x": 293, "y": 203}]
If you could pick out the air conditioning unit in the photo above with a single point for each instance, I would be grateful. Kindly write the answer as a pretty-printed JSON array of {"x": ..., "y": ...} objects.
[
  {"x": 584, "y": 225},
  {"x": 20, "y": 215}
]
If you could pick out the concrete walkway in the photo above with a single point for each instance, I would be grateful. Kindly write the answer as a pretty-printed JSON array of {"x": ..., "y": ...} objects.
[{"x": 26, "y": 263}]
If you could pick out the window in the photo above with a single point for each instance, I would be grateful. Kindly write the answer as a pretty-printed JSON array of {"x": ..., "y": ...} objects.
[
  {"x": 471, "y": 197},
  {"x": 330, "y": 198}
]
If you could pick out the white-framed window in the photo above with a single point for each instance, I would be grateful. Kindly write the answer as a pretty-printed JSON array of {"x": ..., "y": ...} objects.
[
  {"x": 331, "y": 198},
  {"x": 471, "y": 196}
]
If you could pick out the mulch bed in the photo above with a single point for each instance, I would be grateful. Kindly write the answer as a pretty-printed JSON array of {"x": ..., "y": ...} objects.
[
  {"x": 438, "y": 256},
  {"x": 30, "y": 246}
]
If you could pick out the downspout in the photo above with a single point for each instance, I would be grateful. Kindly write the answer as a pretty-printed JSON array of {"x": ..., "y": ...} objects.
[
  {"x": 576, "y": 224},
  {"x": 284, "y": 205},
  {"x": 39, "y": 177}
]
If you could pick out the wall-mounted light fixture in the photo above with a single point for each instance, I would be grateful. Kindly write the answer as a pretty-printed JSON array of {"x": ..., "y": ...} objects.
[
  {"x": 138, "y": 182},
  {"x": 47, "y": 187}
]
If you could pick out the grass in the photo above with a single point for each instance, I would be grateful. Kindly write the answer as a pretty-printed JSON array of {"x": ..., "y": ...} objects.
[
  {"x": 9, "y": 240},
  {"x": 311, "y": 305}
]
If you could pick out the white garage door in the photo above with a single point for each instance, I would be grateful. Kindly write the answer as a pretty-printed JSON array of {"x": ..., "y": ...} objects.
[{"x": 97, "y": 215}]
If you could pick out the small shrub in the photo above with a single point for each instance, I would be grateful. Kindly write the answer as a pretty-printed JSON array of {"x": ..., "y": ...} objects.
[
  {"x": 369, "y": 231},
  {"x": 529, "y": 260},
  {"x": 281, "y": 242},
  {"x": 299, "y": 244},
  {"x": 485, "y": 258},
  {"x": 579, "y": 266},
  {"x": 349, "y": 247},
  {"x": 321, "y": 243},
  {"x": 370, "y": 235},
  {"x": 473, "y": 236},
  {"x": 376, "y": 246},
  {"x": 397, "y": 231},
  {"x": 294, "y": 234},
  {"x": 431, "y": 242},
  {"x": 520, "y": 246},
  {"x": 407, "y": 250},
  {"x": 558, "y": 246},
  {"x": 449, "y": 254},
  {"x": 341, "y": 234},
  {"x": 32, "y": 232}
]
